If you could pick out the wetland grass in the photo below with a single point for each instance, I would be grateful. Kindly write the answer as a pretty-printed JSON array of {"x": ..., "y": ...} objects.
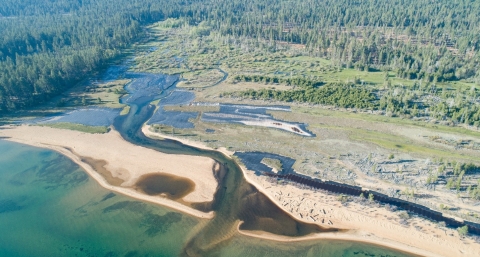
[{"x": 78, "y": 127}]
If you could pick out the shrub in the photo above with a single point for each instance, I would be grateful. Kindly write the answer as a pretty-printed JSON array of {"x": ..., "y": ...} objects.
[
  {"x": 370, "y": 197},
  {"x": 404, "y": 215},
  {"x": 462, "y": 231},
  {"x": 342, "y": 198}
]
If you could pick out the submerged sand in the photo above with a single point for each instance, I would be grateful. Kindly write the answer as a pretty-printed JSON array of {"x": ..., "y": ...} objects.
[
  {"x": 363, "y": 222},
  {"x": 117, "y": 164}
]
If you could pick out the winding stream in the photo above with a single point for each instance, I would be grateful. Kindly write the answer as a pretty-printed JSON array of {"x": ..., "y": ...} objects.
[
  {"x": 237, "y": 204},
  {"x": 90, "y": 221},
  {"x": 236, "y": 200}
]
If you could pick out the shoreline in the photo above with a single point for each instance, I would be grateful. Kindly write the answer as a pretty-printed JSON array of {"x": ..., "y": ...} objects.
[
  {"x": 130, "y": 192},
  {"x": 341, "y": 236},
  {"x": 371, "y": 230},
  {"x": 160, "y": 136},
  {"x": 361, "y": 223},
  {"x": 375, "y": 233}
]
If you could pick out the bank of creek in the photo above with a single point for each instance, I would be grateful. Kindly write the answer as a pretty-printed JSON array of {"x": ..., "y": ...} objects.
[
  {"x": 236, "y": 203},
  {"x": 235, "y": 200}
]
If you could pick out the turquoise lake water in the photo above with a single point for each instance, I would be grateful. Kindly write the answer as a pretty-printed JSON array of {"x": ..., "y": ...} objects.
[{"x": 50, "y": 207}]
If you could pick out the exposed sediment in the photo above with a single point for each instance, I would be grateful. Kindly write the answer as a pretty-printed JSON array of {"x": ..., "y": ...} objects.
[{"x": 118, "y": 165}]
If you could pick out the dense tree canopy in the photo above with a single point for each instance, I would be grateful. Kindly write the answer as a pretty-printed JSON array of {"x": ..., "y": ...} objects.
[
  {"x": 342, "y": 95},
  {"x": 435, "y": 40},
  {"x": 48, "y": 45}
]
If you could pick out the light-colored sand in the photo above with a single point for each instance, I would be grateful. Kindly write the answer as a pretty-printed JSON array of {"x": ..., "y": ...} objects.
[
  {"x": 365, "y": 222},
  {"x": 354, "y": 236},
  {"x": 124, "y": 160}
]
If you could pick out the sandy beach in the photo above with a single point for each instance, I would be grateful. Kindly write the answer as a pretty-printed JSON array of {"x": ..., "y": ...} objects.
[
  {"x": 364, "y": 222},
  {"x": 122, "y": 163}
]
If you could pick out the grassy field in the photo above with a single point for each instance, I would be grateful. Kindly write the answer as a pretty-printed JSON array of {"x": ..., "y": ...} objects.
[
  {"x": 396, "y": 143},
  {"x": 78, "y": 127},
  {"x": 344, "y": 138},
  {"x": 125, "y": 110},
  {"x": 273, "y": 163},
  {"x": 200, "y": 79},
  {"x": 179, "y": 50},
  {"x": 388, "y": 120},
  {"x": 216, "y": 93}
]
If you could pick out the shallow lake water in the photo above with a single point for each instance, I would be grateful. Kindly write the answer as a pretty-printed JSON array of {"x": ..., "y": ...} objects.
[{"x": 50, "y": 207}]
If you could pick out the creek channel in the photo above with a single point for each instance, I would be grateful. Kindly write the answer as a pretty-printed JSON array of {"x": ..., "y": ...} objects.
[{"x": 235, "y": 200}]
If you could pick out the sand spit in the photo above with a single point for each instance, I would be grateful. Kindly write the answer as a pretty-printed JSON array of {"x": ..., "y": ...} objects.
[
  {"x": 364, "y": 222},
  {"x": 126, "y": 162}
]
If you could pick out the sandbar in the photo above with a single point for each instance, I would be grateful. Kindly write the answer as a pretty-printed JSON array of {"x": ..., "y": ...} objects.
[
  {"x": 363, "y": 222},
  {"x": 125, "y": 162}
]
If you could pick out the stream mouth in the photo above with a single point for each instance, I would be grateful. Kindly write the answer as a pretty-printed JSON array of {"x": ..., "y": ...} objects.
[
  {"x": 237, "y": 204},
  {"x": 235, "y": 200},
  {"x": 259, "y": 213}
]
